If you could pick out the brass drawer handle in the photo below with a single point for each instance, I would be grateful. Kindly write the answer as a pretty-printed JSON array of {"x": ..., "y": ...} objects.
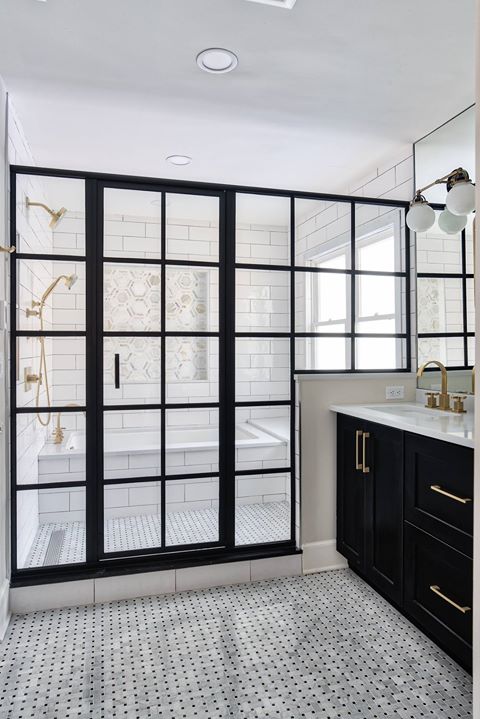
[
  {"x": 358, "y": 464},
  {"x": 439, "y": 490},
  {"x": 436, "y": 590},
  {"x": 366, "y": 435}
]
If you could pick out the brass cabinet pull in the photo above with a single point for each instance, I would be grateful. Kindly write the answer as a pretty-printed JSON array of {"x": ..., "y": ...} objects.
[
  {"x": 439, "y": 490},
  {"x": 358, "y": 434},
  {"x": 436, "y": 590},
  {"x": 366, "y": 469}
]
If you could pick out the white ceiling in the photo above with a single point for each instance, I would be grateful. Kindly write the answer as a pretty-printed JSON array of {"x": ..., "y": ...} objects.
[{"x": 322, "y": 93}]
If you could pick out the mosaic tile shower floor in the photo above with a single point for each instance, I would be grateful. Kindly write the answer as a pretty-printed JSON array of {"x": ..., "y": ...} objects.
[
  {"x": 256, "y": 523},
  {"x": 323, "y": 645}
]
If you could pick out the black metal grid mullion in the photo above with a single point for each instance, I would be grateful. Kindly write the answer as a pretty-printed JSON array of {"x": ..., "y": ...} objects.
[
  {"x": 292, "y": 366},
  {"x": 227, "y": 426},
  {"x": 13, "y": 377},
  {"x": 163, "y": 372},
  {"x": 353, "y": 286},
  {"x": 464, "y": 297}
]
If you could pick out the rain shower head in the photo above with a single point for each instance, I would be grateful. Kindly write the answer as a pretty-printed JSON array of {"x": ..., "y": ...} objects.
[{"x": 56, "y": 216}]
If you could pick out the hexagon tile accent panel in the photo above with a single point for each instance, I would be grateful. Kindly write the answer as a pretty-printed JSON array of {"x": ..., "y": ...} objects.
[{"x": 132, "y": 302}]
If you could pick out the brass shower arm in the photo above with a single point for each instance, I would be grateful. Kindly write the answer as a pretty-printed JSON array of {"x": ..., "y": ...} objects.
[{"x": 51, "y": 212}]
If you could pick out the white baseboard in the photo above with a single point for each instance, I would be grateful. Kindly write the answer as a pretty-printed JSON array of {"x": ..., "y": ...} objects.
[
  {"x": 4, "y": 607},
  {"x": 322, "y": 556}
]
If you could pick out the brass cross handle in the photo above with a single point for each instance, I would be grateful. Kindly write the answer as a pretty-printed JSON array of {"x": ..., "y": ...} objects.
[{"x": 8, "y": 250}]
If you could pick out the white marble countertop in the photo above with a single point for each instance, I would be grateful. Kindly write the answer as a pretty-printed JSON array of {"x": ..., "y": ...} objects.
[{"x": 410, "y": 417}]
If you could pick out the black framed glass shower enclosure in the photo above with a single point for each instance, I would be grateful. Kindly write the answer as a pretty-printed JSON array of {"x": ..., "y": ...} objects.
[{"x": 155, "y": 331}]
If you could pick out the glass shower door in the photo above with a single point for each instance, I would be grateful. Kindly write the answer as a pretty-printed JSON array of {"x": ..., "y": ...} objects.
[{"x": 161, "y": 357}]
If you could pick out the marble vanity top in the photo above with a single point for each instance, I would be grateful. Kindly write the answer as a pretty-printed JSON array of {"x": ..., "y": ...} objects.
[{"x": 410, "y": 417}]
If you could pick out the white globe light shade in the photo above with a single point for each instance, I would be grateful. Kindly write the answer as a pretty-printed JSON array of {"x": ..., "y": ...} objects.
[
  {"x": 452, "y": 224},
  {"x": 420, "y": 217},
  {"x": 461, "y": 198}
]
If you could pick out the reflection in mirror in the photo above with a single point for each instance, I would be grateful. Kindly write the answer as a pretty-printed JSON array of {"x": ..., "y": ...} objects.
[{"x": 445, "y": 292}]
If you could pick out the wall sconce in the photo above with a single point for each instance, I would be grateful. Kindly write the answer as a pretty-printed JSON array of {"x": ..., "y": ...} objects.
[{"x": 460, "y": 202}]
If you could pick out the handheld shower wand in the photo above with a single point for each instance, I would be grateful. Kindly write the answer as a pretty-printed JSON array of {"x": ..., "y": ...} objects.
[{"x": 37, "y": 311}]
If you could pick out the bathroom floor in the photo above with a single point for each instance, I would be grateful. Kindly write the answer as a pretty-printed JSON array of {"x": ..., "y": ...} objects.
[
  {"x": 63, "y": 543},
  {"x": 324, "y": 645}
]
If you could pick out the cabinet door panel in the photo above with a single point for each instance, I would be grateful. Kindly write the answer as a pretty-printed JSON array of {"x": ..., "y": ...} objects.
[
  {"x": 350, "y": 494},
  {"x": 438, "y": 591},
  {"x": 384, "y": 502},
  {"x": 439, "y": 489}
]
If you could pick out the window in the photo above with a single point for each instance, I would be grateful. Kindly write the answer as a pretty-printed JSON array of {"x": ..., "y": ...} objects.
[{"x": 352, "y": 317}]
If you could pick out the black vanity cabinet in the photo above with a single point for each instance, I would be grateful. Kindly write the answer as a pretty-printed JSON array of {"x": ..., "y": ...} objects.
[
  {"x": 405, "y": 523},
  {"x": 369, "y": 501}
]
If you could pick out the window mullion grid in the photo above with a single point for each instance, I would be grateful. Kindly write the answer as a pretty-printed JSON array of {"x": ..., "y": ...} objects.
[
  {"x": 163, "y": 375},
  {"x": 353, "y": 286},
  {"x": 464, "y": 297}
]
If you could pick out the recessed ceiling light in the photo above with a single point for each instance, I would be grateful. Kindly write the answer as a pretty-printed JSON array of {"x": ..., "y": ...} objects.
[
  {"x": 287, "y": 4},
  {"x": 217, "y": 60},
  {"x": 179, "y": 159}
]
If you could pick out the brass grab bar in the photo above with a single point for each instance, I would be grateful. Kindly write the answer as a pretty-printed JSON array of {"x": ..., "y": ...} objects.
[
  {"x": 436, "y": 590},
  {"x": 439, "y": 490}
]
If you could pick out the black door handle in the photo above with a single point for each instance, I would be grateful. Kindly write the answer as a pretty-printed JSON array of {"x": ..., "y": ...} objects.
[{"x": 117, "y": 371}]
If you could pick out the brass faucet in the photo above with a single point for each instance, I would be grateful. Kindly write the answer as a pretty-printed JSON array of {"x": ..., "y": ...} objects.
[{"x": 443, "y": 397}]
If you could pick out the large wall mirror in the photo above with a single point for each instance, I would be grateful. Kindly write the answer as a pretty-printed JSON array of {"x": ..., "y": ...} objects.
[{"x": 445, "y": 292}]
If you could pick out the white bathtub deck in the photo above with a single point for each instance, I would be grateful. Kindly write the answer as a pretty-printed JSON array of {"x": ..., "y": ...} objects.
[{"x": 256, "y": 523}]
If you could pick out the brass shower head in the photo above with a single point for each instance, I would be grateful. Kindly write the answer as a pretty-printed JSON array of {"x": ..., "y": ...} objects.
[{"x": 56, "y": 216}]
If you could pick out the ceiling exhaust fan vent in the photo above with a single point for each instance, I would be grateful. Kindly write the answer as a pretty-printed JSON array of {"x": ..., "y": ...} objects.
[{"x": 286, "y": 4}]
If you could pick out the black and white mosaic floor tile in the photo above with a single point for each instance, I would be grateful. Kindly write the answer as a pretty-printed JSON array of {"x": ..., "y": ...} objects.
[
  {"x": 255, "y": 524},
  {"x": 323, "y": 646}
]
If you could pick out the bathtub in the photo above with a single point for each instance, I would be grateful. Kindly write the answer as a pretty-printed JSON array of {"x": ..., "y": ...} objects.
[
  {"x": 134, "y": 441},
  {"x": 135, "y": 453}
]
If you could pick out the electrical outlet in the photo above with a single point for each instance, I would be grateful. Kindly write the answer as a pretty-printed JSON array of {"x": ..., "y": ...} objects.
[{"x": 395, "y": 392}]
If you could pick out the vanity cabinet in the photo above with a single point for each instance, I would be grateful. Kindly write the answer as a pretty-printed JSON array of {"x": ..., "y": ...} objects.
[
  {"x": 405, "y": 523},
  {"x": 369, "y": 501}
]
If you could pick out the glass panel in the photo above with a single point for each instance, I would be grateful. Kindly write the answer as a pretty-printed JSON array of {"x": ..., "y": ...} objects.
[
  {"x": 262, "y": 229},
  {"x": 449, "y": 350},
  {"x": 192, "y": 227},
  {"x": 131, "y": 298},
  {"x": 262, "y": 437},
  {"x": 132, "y": 223},
  {"x": 439, "y": 305},
  {"x": 379, "y": 238},
  {"x": 469, "y": 245},
  {"x": 132, "y": 516},
  {"x": 59, "y": 226},
  {"x": 437, "y": 251},
  {"x": 262, "y": 369},
  {"x": 380, "y": 353},
  {"x": 50, "y": 295},
  {"x": 262, "y": 301},
  {"x": 60, "y": 361},
  {"x": 191, "y": 369},
  {"x": 132, "y": 443},
  {"x": 192, "y": 299},
  {"x": 50, "y": 447},
  {"x": 471, "y": 350},
  {"x": 262, "y": 508},
  {"x": 50, "y": 527},
  {"x": 191, "y": 511},
  {"x": 322, "y": 302},
  {"x": 322, "y": 234},
  {"x": 138, "y": 361},
  {"x": 322, "y": 353},
  {"x": 192, "y": 439},
  {"x": 380, "y": 304},
  {"x": 470, "y": 305}
]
